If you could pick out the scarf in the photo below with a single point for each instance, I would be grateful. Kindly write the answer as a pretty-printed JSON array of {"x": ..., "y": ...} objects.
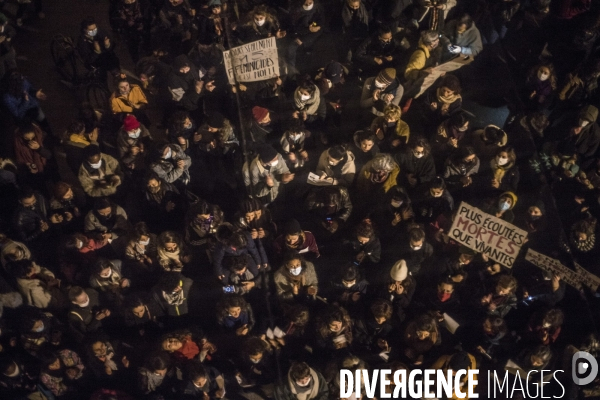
[
  {"x": 446, "y": 100},
  {"x": 311, "y": 391},
  {"x": 154, "y": 381},
  {"x": 174, "y": 299},
  {"x": 500, "y": 170},
  {"x": 113, "y": 280},
  {"x": 167, "y": 257},
  {"x": 585, "y": 245},
  {"x": 27, "y": 155},
  {"x": 81, "y": 139}
]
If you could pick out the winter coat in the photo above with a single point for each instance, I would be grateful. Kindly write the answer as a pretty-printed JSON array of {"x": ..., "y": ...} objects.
[
  {"x": 285, "y": 288},
  {"x": 256, "y": 173},
  {"x": 167, "y": 169},
  {"x": 347, "y": 173},
  {"x": 469, "y": 40},
  {"x": 89, "y": 178}
]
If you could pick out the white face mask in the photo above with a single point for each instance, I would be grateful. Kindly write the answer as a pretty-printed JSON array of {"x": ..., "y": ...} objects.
[
  {"x": 87, "y": 303},
  {"x": 379, "y": 85},
  {"x": 135, "y": 134},
  {"x": 16, "y": 373},
  {"x": 418, "y": 155},
  {"x": 396, "y": 203},
  {"x": 107, "y": 276},
  {"x": 296, "y": 271},
  {"x": 144, "y": 242},
  {"x": 93, "y": 32},
  {"x": 308, "y": 8},
  {"x": 584, "y": 123},
  {"x": 542, "y": 76},
  {"x": 274, "y": 163},
  {"x": 169, "y": 154},
  {"x": 437, "y": 194},
  {"x": 254, "y": 361},
  {"x": 329, "y": 83},
  {"x": 304, "y": 97},
  {"x": 260, "y": 22},
  {"x": 304, "y": 385},
  {"x": 463, "y": 128},
  {"x": 79, "y": 244},
  {"x": 415, "y": 248},
  {"x": 40, "y": 329},
  {"x": 295, "y": 136},
  {"x": 333, "y": 163},
  {"x": 97, "y": 165},
  {"x": 502, "y": 160}
]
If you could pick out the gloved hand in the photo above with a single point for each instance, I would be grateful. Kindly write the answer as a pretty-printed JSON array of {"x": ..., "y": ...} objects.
[{"x": 454, "y": 49}]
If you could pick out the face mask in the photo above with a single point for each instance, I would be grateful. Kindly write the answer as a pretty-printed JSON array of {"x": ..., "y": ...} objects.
[
  {"x": 190, "y": 126},
  {"x": 304, "y": 385},
  {"x": 144, "y": 242},
  {"x": 31, "y": 207},
  {"x": 543, "y": 77},
  {"x": 135, "y": 134},
  {"x": 169, "y": 154},
  {"x": 97, "y": 165},
  {"x": 437, "y": 194},
  {"x": 583, "y": 123},
  {"x": 396, "y": 203},
  {"x": 463, "y": 128},
  {"x": 93, "y": 32},
  {"x": 295, "y": 137},
  {"x": 16, "y": 373},
  {"x": 40, "y": 329},
  {"x": 79, "y": 244},
  {"x": 333, "y": 163},
  {"x": 308, "y": 8},
  {"x": 296, "y": 271},
  {"x": 534, "y": 217},
  {"x": 260, "y": 22},
  {"x": 504, "y": 205},
  {"x": 87, "y": 303},
  {"x": 304, "y": 97},
  {"x": 418, "y": 155},
  {"x": 106, "y": 276},
  {"x": 254, "y": 361},
  {"x": 416, "y": 248},
  {"x": 379, "y": 85},
  {"x": 390, "y": 124},
  {"x": 502, "y": 160},
  {"x": 274, "y": 163},
  {"x": 443, "y": 296},
  {"x": 348, "y": 285}
]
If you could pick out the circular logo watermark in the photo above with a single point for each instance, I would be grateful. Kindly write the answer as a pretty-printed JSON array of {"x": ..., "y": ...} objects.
[{"x": 584, "y": 368}]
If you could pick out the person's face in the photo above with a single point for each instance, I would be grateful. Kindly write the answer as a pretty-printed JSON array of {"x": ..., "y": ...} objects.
[
  {"x": 446, "y": 92},
  {"x": 202, "y": 217},
  {"x": 29, "y": 202},
  {"x": 436, "y": 192},
  {"x": 184, "y": 70},
  {"x": 303, "y": 92},
  {"x": 494, "y": 269},
  {"x": 234, "y": 311},
  {"x": 250, "y": 216},
  {"x": 303, "y": 382},
  {"x": 106, "y": 273},
  {"x": 83, "y": 298},
  {"x": 461, "y": 28},
  {"x": 171, "y": 247},
  {"x": 160, "y": 372},
  {"x": 124, "y": 88},
  {"x": 266, "y": 120},
  {"x": 171, "y": 344},
  {"x": 144, "y": 238},
  {"x": 416, "y": 243},
  {"x": 308, "y": 3},
  {"x": 536, "y": 361},
  {"x": 293, "y": 264},
  {"x": 535, "y": 211},
  {"x": 349, "y": 284},
  {"x": 153, "y": 186},
  {"x": 28, "y": 136},
  {"x": 581, "y": 236},
  {"x": 255, "y": 358},
  {"x": 55, "y": 365},
  {"x": 242, "y": 272},
  {"x": 445, "y": 288},
  {"x": 390, "y": 119},
  {"x": 139, "y": 311},
  {"x": 259, "y": 19},
  {"x": 37, "y": 325},
  {"x": 292, "y": 239},
  {"x": 257, "y": 214},
  {"x": 68, "y": 195},
  {"x": 464, "y": 259},
  {"x": 422, "y": 335},
  {"x": 362, "y": 240},
  {"x": 92, "y": 27},
  {"x": 380, "y": 320},
  {"x": 200, "y": 382},
  {"x": 99, "y": 349},
  {"x": 487, "y": 327},
  {"x": 353, "y": 4},
  {"x": 434, "y": 44},
  {"x": 419, "y": 151},
  {"x": 469, "y": 159},
  {"x": 335, "y": 326},
  {"x": 507, "y": 199},
  {"x": 166, "y": 151},
  {"x": 366, "y": 145},
  {"x": 105, "y": 212},
  {"x": 502, "y": 291},
  {"x": 216, "y": 10},
  {"x": 503, "y": 154},
  {"x": 386, "y": 38},
  {"x": 95, "y": 159}
]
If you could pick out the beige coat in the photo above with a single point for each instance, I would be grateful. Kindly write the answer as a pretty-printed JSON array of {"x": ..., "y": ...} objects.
[
  {"x": 348, "y": 170},
  {"x": 110, "y": 167},
  {"x": 284, "y": 286},
  {"x": 36, "y": 291}
]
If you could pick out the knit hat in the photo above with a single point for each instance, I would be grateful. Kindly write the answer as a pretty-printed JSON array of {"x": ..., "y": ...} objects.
[
  {"x": 459, "y": 361},
  {"x": 292, "y": 227},
  {"x": 267, "y": 153},
  {"x": 216, "y": 120},
  {"x": 334, "y": 72},
  {"x": 399, "y": 271},
  {"x": 387, "y": 76},
  {"x": 130, "y": 123},
  {"x": 259, "y": 113},
  {"x": 512, "y": 196}
]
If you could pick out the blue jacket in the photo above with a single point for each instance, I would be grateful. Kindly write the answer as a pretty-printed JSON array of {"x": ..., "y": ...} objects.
[{"x": 17, "y": 106}]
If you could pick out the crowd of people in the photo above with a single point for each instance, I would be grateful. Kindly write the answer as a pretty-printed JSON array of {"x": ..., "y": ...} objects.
[{"x": 194, "y": 239}]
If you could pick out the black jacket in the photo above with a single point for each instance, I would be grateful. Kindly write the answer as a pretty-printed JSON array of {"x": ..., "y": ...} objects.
[
  {"x": 27, "y": 221},
  {"x": 183, "y": 86},
  {"x": 422, "y": 168}
]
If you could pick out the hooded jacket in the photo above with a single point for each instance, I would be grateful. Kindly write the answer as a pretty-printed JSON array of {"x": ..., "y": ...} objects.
[
  {"x": 182, "y": 86},
  {"x": 587, "y": 141},
  {"x": 347, "y": 173}
]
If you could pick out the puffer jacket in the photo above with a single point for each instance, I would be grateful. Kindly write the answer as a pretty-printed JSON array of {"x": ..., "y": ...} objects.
[{"x": 167, "y": 169}]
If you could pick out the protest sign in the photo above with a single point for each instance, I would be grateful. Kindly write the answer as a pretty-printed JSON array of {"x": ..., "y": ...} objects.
[
  {"x": 487, "y": 234},
  {"x": 440, "y": 70},
  {"x": 587, "y": 278},
  {"x": 555, "y": 267},
  {"x": 252, "y": 62}
]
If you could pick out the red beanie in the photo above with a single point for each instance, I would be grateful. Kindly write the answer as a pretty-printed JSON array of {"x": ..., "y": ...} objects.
[
  {"x": 130, "y": 123},
  {"x": 259, "y": 113}
]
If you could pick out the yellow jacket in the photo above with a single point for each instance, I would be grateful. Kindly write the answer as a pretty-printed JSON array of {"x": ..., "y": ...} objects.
[
  {"x": 123, "y": 104},
  {"x": 442, "y": 363},
  {"x": 417, "y": 62}
]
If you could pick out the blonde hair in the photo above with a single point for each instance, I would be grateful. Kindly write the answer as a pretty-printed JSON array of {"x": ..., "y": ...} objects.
[{"x": 392, "y": 111}]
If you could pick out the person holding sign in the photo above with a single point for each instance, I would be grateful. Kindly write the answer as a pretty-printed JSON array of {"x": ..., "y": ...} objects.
[
  {"x": 307, "y": 20},
  {"x": 503, "y": 208}
]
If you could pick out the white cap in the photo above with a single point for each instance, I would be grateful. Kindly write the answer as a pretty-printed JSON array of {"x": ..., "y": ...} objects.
[{"x": 399, "y": 271}]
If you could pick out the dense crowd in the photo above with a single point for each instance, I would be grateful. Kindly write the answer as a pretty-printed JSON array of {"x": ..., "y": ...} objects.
[{"x": 197, "y": 239}]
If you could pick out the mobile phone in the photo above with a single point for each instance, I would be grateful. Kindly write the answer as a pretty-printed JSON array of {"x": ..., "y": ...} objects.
[
  {"x": 229, "y": 289},
  {"x": 356, "y": 263}
]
